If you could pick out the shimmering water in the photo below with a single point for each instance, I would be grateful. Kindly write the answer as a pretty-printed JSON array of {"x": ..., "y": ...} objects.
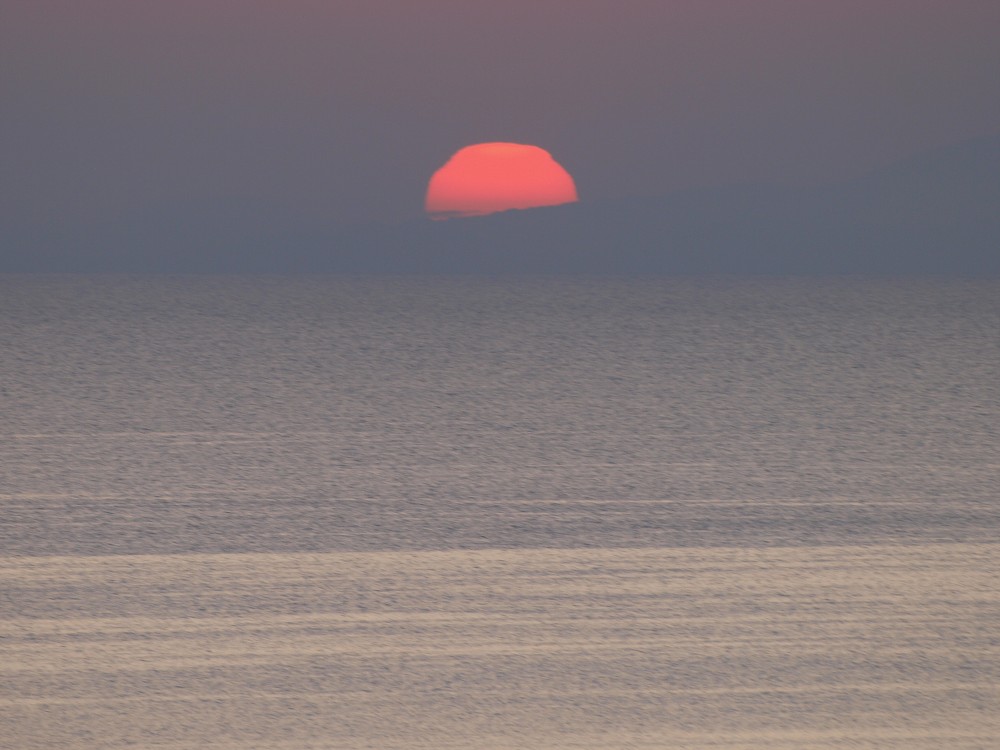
[{"x": 443, "y": 513}]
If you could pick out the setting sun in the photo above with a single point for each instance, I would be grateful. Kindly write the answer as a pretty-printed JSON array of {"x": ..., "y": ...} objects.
[{"x": 490, "y": 177}]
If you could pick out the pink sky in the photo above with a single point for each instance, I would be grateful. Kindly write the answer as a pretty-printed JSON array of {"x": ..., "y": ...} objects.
[{"x": 343, "y": 109}]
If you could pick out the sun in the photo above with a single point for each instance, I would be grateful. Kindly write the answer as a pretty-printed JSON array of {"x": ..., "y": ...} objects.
[{"x": 488, "y": 177}]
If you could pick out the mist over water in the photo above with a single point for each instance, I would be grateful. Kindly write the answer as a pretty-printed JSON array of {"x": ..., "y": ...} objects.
[{"x": 465, "y": 513}]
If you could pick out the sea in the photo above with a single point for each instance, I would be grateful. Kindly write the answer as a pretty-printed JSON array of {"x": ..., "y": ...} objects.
[{"x": 394, "y": 513}]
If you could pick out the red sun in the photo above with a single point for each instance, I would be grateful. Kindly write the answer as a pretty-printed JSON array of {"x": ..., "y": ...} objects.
[{"x": 490, "y": 177}]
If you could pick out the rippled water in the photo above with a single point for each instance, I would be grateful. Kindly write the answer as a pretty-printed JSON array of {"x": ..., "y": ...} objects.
[{"x": 443, "y": 513}]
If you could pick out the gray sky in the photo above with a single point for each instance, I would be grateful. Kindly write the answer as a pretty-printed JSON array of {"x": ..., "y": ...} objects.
[{"x": 339, "y": 111}]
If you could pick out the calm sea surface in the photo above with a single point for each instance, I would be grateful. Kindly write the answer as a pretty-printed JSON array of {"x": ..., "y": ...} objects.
[{"x": 431, "y": 513}]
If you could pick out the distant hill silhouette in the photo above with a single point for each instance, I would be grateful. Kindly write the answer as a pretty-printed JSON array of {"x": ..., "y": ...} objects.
[{"x": 936, "y": 213}]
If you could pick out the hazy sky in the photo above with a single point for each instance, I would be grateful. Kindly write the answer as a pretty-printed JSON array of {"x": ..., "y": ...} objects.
[{"x": 340, "y": 110}]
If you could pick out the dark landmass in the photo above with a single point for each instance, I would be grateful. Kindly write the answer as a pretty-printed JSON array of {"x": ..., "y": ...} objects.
[{"x": 937, "y": 213}]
